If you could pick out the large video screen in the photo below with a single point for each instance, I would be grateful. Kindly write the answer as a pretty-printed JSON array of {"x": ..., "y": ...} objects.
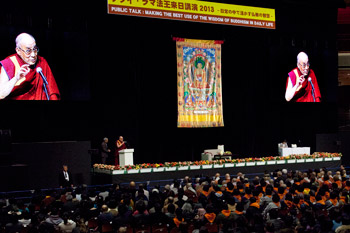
[
  {"x": 303, "y": 74},
  {"x": 44, "y": 65}
]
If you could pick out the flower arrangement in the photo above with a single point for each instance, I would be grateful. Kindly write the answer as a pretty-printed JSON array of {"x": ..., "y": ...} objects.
[
  {"x": 217, "y": 162},
  {"x": 157, "y": 165},
  {"x": 259, "y": 159},
  {"x": 327, "y": 155},
  {"x": 206, "y": 162},
  {"x": 249, "y": 160},
  {"x": 270, "y": 158},
  {"x": 183, "y": 164},
  {"x": 200, "y": 163},
  {"x": 129, "y": 167},
  {"x": 171, "y": 164},
  {"x": 104, "y": 166},
  {"x": 146, "y": 165}
]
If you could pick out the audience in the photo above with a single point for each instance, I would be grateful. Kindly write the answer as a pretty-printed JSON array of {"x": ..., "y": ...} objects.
[
  {"x": 67, "y": 225},
  {"x": 281, "y": 201}
]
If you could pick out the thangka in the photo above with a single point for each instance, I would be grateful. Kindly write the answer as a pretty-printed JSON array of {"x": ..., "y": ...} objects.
[{"x": 199, "y": 83}]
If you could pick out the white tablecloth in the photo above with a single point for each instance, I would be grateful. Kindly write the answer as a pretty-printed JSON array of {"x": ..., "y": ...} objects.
[{"x": 294, "y": 151}]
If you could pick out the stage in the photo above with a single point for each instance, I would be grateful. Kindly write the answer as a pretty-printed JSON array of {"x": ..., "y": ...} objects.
[{"x": 163, "y": 175}]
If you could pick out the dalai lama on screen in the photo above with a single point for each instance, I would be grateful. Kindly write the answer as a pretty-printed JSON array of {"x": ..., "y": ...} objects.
[
  {"x": 302, "y": 84},
  {"x": 25, "y": 75}
]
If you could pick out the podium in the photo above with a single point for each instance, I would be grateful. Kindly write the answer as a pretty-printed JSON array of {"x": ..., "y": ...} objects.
[{"x": 126, "y": 157}]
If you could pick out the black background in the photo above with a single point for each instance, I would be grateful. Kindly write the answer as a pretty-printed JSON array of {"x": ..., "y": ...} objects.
[{"x": 117, "y": 76}]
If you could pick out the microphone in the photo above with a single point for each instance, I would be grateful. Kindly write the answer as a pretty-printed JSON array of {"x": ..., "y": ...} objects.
[
  {"x": 40, "y": 71},
  {"x": 313, "y": 89}
]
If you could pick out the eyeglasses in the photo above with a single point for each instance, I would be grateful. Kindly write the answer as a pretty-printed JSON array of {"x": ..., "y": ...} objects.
[
  {"x": 304, "y": 65},
  {"x": 29, "y": 51}
]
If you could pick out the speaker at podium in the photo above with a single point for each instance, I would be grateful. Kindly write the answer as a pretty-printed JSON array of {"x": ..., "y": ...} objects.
[{"x": 126, "y": 157}]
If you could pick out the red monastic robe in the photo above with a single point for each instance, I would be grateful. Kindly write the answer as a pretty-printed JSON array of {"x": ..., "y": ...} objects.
[
  {"x": 304, "y": 94},
  {"x": 117, "y": 152},
  {"x": 30, "y": 87}
]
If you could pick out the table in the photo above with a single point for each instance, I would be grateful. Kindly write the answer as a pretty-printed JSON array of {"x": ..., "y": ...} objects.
[{"x": 293, "y": 151}]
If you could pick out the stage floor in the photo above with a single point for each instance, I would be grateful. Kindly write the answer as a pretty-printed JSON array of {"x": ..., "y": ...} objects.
[{"x": 100, "y": 176}]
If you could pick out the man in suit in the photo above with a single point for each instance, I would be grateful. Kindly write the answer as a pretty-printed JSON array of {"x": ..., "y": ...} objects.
[
  {"x": 104, "y": 150},
  {"x": 65, "y": 178}
]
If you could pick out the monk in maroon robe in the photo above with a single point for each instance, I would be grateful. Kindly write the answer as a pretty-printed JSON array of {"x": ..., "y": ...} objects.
[
  {"x": 120, "y": 145},
  {"x": 19, "y": 77},
  {"x": 302, "y": 84}
]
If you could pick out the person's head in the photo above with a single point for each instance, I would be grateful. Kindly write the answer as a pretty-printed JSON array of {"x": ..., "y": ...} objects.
[
  {"x": 347, "y": 183},
  {"x": 275, "y": 198},
  {"x": 65, "y": 217},
  {"x": 303, "y": 63},
  {"x": 170, "y": 199},
  {"x": 132, "y": 184},
  {"x": 171, "y": 208},
  {"x": 122, "y": 209},
  {"x": 26, "y": 48},
  {"x": 230, "y": 200},
  {"x": 141, "y": 187},
  {"x": 230, "y": 186},
  {"x": 104, "y": 208},
  {"x": 140, "y": 206},
  {"x": 122, "y": 230},
  {"x": 188, "y": 185},
  {"x": 121, "y": 138},
  {"x": 105, "y": 140},
  {"x": 178, "y": 213},
  {"x": 158, "y": 207},
  {"x": 268, "y": 191},
  {"x": 112, "y": 204},
  {"x": 252, "y": 200},
  {"x": 281, "y": 190},
  {"x": 65, "y": 168},
  {"x": 207, "y": 187},
  {"x": 240, "y": 206},
  {"x": 224, "y": 206},
  {"x": 54, "y": 211}
]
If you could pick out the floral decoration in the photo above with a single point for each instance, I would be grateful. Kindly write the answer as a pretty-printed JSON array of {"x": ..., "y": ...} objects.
[{"x": 218, "y": 161}]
